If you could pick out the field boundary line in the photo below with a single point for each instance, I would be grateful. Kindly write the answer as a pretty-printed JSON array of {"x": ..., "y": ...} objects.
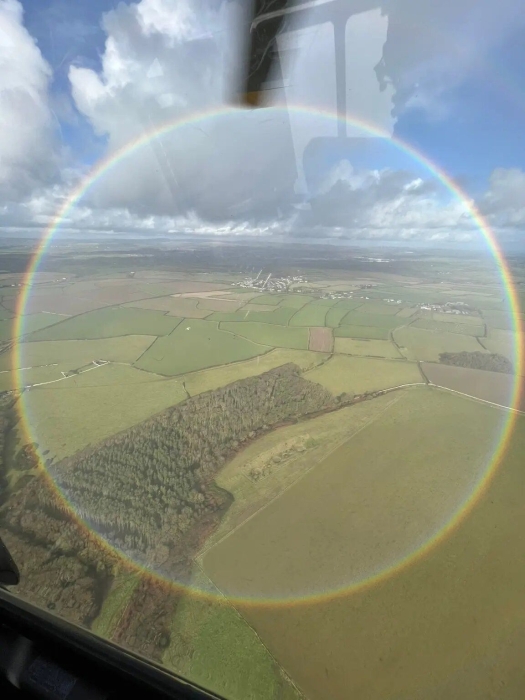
[
  {"x": 476, "y": 398},
  {"x": 300, "y": 476},
  {"x": 69, "y": 376}
]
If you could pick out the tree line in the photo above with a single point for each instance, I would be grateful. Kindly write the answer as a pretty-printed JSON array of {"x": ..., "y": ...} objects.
[{"x": 490, "y": 362}]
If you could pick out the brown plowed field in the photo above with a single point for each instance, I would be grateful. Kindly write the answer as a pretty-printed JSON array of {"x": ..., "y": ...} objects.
[
  {"x": 321, "y": 340},
  {"x": 489, "y": 386}
]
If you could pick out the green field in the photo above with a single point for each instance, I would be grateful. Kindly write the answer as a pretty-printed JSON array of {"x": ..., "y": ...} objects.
[
  {"x": 420, "y": 344},
  {"x": 407, "y": 312},
  {"x": 367, "y": 348},
  {"x": 380, "y": 308},
  {"x": 280, "y": 316},
  {"x": 114, "y": 604},
  {"x": 348, "y": 304},
  {"x": 68, "y": 419},
  {"x": 107, "y": 375},
  {"x": 356, "y": 318},
  {"x": 501, "y": 321},
  {"x": 212, "y": 644},
  {"x": 362, "y": 332},
  {"x": 30, "y": 323},
  {"x": 392, "y": 486},
  {"x": 359, "y": 374},
  {"x": 334, "y": 316},
  {"x": 72, "y": 354},
  {"x": 206, "y": 380},
  {"x": 194, "y": 345},
  {"x": 454, "y": 318},
  {"x": 504, "y": 343},
  {"x": 175, "y": 306},
  {"x": 272, "y": 299},
  {"x": 449, "y": 327},
  {"x": 8, "y": 379},
  {"x": 269, "y": 334},
  {"x": 108, "y": 323},
  {"x": 295, "y": 301},
  {"x": 312, "y": 315}
]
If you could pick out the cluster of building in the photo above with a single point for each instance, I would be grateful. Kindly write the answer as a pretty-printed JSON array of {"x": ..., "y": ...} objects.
[
  {"x": 268, "y": 283},
  {"x": 458, "y": 308}
]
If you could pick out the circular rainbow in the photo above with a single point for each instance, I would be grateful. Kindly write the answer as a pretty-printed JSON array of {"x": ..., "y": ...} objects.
[{"x": 127, "y": 150}]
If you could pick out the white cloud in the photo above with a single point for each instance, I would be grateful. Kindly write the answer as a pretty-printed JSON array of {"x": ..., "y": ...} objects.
[
  {"x": 26, "y": 125},
  {"x": 504, "y": 201},
  {"x": 242, "y": 173}
]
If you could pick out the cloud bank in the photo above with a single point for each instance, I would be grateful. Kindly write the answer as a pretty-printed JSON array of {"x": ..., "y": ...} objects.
[{"x": 243, "y": 172}]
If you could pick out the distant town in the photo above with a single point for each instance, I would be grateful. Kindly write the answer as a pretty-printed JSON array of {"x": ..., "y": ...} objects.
[{"x": 270, "y": 284}]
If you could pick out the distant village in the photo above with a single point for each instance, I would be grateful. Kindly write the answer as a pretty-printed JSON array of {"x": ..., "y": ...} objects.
[{"x": 270, "y": 284}]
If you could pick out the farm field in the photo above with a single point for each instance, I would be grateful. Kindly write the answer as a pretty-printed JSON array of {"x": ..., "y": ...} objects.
[
  {"x": 334, "y": 316},
  {"x": 369, "y": 348},
  {"x": 175, "y": 306},
  {"x": 194, "y": 345},
  {"x": 296, "y": 517},
  {"x": 356, "y": 318},
  {"x": 314, "y": 314},
  {"x": 359, "y": 374},
  {"x": 206, "y": 380},
  {"x": 8, "y": 379},
  {"x": 108, "y": 323},
  {"x": 449, "y": 327},
  {"x": 348, "y": 304},
  {"x": 372, "y": 332},
  {"x": 421, "y": 344},
  {"x": 107, "y": 375},
  {"x": 279, "y": 316},
  {"x": 72, "y": 354},
  {"x": 387, "y": 499},
  {"x": 503, "y": 342},
  {"x": 212, "y": 644},
  {"x": 298, "y": 448},
  {"x": 295, "y": 301},
  {"x": 463, "y": 319},
  {"x": 381, "y": 308},
  {"x": 30, "y": 323},
  {"x": 269, "y": 334},
  {"x": 68, "y": 419},
  {"x": 321, "y": 340},
  {"x": 407, "y": 312},
  {"x": 489, "y": 386}
]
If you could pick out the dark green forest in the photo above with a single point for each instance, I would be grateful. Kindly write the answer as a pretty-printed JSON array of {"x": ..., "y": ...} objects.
[
  {"x": 150, "y": 491},
  {"x": 478, "y": 360}
]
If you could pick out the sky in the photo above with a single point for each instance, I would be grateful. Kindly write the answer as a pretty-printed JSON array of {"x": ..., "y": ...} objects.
[{"x": 428, "y": 85}]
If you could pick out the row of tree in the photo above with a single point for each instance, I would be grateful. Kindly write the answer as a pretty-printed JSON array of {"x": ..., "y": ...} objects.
[{"x": 490, "y": 362}]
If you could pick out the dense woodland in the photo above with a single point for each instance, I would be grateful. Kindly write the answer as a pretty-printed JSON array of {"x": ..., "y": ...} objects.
[
  {"x": 150, "y": 490},
  {"x": 478, "y": 360}
]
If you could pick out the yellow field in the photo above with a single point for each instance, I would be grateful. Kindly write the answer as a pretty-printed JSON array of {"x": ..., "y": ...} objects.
[
  {"x": 198, "y": 382},
  {"x": 428, "y": 631},
  {"x": 420, "y": 344},
  {"x": 360, "y": 374}
]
